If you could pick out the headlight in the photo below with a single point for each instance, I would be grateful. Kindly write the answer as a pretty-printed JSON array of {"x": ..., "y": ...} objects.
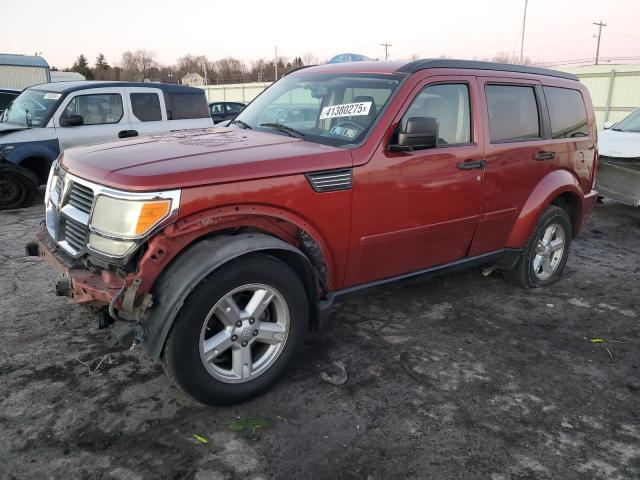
[
  {"x": 109, "y": 246},
  {"x": 50, "y": 181},
  {"x": 118, "y": 225},
  {"x": 128, "y": 218}
]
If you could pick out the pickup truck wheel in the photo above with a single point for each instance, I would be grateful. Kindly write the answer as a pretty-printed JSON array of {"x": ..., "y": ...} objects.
[
  {"x": 542, "y": 261},
  {"x": 18, "y": 187},
  {"x": 237, "y": 331}
]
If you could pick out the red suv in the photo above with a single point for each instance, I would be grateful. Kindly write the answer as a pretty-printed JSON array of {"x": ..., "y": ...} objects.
[{"x": 217, "y": 249}]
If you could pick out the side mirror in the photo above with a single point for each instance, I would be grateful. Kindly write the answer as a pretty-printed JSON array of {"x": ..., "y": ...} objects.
[
  {"x": 418, "y": 133},
  {"x": 71, "y": 121},
  {"x": 608, "y": 125}
]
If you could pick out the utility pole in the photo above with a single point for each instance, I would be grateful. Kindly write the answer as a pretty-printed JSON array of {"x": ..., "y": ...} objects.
[
  {"x": 386, "y": 49},
  {"x": 600, "y": 25},
  {"x": 276, "y": 79},
  {"x": 524, "y": 22}
]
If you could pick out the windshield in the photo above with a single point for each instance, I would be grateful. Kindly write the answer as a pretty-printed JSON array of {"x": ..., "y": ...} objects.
[
  {"x": 31, "y": 108},
  {"x": 629, "y": 124},
  {"x": 334, "y": 109}
]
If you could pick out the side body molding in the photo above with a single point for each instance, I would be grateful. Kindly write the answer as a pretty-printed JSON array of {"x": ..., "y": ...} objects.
[
  {"x": 196, "y": 262},
  {"x": 554, "y": 184}
]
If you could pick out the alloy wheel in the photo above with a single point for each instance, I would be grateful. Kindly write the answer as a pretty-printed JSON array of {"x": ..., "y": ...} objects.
[
  {"x": 549, "y": 251},
  {"x": 244, "y": 333}
]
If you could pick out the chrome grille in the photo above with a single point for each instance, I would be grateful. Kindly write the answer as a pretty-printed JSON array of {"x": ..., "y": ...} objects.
[
  {"x": 75, "y": 234},
  {"x": 330, "y": 180},
  {"x": 80, "y": 197},
  {"x": 59, "y": 185}
]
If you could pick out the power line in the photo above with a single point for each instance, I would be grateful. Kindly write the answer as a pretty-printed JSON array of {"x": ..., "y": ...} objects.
[
  {"x": 600, "y": 25},
  {"x": 524, "y": 22},
  {"x": 386, "y": 49}
]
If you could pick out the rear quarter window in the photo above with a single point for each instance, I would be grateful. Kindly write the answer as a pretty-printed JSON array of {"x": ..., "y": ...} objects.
[
  {"x": 185, "y": 106},
  {"x": 567, "y": 112},
  {"x": 513, "y": 113}
]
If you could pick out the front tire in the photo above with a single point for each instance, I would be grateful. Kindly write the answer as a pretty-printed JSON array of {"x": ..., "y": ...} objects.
[
  {"x": 237, "y": 331},
  {"x": 18, "y": 187},
  {"x": 545, "y": 256}
]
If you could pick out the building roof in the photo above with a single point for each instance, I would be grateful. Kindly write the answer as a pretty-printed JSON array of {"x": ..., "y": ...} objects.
[
  {"x": 58, "y": 76},
  {"x": 23, "y": 60},
  {"x": 66, "y": 87},
  {"x": 192, "y": 75}
]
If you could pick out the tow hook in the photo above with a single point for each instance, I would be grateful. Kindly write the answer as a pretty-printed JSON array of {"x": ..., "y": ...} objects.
[
  {"x": 63, "y": 287},
  {"x": 31, "y": 249}
]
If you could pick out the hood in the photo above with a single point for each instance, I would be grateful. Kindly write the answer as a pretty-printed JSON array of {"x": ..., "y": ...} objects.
[
  {"x": 619, "y": 144},
  {"x": 191, "y": 158},
  {"x": 8, "y": 128}
]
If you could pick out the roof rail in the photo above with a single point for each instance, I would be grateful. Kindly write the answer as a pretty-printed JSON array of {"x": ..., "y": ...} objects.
[
  {"x": 298, "y": 68},
  {"x": 424, "y": 64}
]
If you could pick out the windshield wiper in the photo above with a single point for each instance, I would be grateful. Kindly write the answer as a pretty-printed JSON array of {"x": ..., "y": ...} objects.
[
  {"x": 618, "y": 130},
  {"x": 292, "y": 132},
  {"x": 242, "y": 124}
]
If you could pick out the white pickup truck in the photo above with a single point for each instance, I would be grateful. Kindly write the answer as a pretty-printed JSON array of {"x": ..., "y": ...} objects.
[{"x": 46, "y": 119}]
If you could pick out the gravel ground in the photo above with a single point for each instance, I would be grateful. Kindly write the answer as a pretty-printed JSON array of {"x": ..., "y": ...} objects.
[{"x": 458, "y": 377}]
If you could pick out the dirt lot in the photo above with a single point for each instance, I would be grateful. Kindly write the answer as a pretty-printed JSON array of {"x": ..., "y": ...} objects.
[{"x": 459, "y": 377}]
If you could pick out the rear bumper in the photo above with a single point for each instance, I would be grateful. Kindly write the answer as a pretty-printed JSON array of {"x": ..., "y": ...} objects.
[
  {"x": 86, "y": 287},
  {"x": 589, "y": 201}
]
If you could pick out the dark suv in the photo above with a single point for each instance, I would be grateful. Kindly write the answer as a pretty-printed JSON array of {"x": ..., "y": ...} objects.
[{"x": 217, "y": 249}]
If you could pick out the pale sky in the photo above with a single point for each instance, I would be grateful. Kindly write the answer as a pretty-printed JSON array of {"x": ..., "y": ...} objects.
[{"x": 556, "y": 30}]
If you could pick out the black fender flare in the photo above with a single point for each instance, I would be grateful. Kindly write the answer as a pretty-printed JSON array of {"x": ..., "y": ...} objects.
[{"x": 189, "y": 269}]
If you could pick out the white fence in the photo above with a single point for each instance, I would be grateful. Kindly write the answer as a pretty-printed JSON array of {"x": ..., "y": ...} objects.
[
  {"x": 614, "y": 89},
  {"x": 236, "y": 92}
]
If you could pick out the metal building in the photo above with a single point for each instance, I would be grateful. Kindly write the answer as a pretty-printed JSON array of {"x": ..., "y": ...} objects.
[
  {"x": 22, "y": 71},
  {"x": 614, "y": 89}
]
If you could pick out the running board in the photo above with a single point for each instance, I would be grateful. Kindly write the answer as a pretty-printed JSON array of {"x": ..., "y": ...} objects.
[{"x": 504, "y": 259}]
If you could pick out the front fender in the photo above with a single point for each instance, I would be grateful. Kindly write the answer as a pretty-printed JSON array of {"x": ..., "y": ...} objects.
[
  {"x": 188, "y": 270},
  {"x": 552, "y": 185},
  {"x": 45, "y": 149}
]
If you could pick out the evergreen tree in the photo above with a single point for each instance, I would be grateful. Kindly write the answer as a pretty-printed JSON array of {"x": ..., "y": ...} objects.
[{"x": 81, "y": 65}]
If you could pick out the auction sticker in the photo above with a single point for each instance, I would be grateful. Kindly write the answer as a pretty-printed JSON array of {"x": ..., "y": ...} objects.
[
  {"x": 51, "y": 96},
  {"x": 346, "y": 110}
]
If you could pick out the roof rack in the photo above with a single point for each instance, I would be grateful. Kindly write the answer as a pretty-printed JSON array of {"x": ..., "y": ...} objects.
[{"x": 424, "y": 64}]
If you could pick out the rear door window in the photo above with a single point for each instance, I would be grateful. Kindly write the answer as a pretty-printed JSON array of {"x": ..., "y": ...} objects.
[
  {"x": 513, "y": 113},
  {"x": 567, "y": 112},
  {"x": 146, "y": 106},
  {"x": 184, "y": 106}
]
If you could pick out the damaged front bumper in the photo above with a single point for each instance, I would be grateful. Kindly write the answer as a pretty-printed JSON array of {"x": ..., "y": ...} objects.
[{"x": 101, "y": 288}]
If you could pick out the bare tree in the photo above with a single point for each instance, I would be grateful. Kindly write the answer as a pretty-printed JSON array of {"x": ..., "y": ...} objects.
[
  {"x": 310, "y": 59},
  {"x": 513, "y": 58},
  {"x": 194, "y": 64},
  {"x": 137, "y": 65},
  {"x": 231, "y": 70}
]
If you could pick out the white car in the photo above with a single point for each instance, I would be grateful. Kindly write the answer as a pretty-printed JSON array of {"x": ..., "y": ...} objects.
[
  {"x": 46, "y": 119},
  {"x": 618, "y": 175}
]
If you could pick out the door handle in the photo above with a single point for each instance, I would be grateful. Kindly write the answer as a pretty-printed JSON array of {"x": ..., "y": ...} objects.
[
  {"x": 472, "y": 164},
  {"x": 544, "y": 156},
  {"x": 127, "y": 133}
]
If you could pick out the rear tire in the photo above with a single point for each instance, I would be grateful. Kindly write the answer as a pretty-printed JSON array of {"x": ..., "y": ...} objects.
[
  {"x": 543, "y": 260},
  {"x": 237, "y": 331},
  {"x": 18, "y": 187}
]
